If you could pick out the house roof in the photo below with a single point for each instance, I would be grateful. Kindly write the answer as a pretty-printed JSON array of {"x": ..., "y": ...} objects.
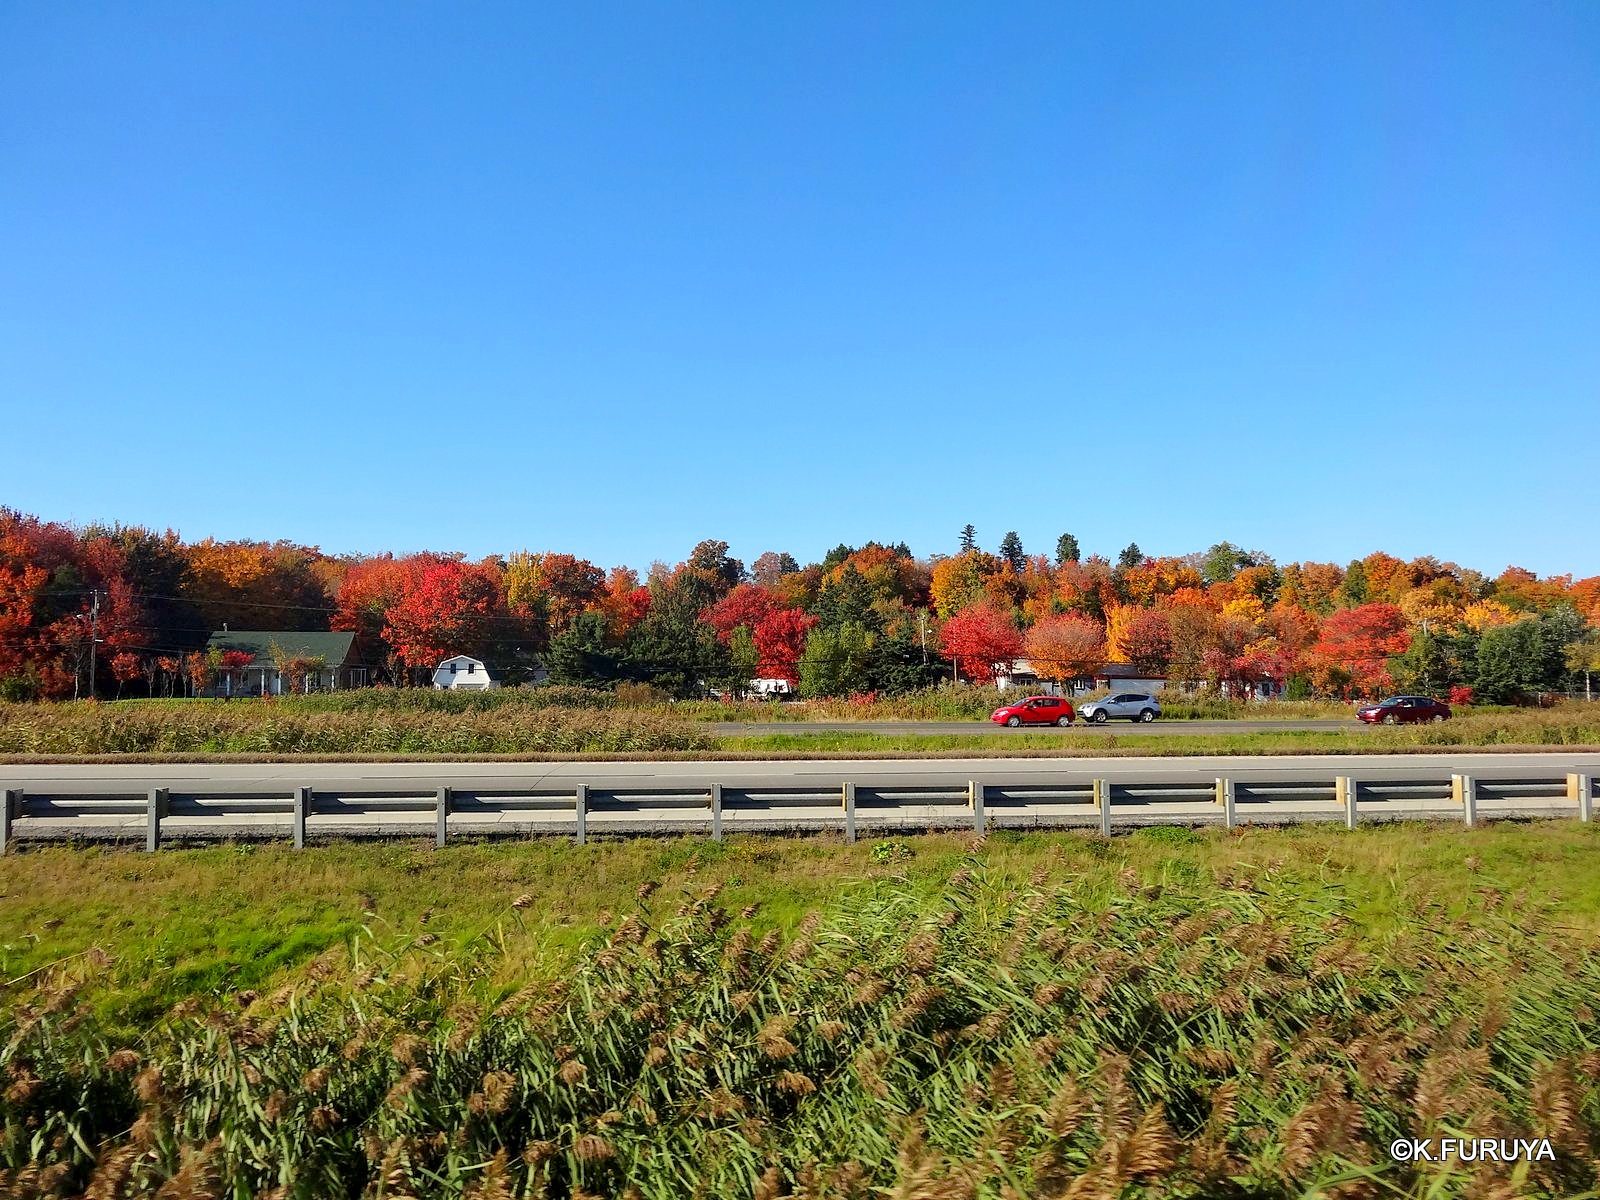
[
  {"x": 333, "y": 648},
  {"x": 1124, "y": 671},
  {"x": 460, "y": 658}
]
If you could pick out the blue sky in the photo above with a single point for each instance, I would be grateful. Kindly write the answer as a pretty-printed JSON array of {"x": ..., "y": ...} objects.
[{"x": 613, "y": 278}]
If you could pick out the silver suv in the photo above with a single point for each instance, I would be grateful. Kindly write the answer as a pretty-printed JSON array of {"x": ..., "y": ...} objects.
[{"x": 1134, "y": 706}]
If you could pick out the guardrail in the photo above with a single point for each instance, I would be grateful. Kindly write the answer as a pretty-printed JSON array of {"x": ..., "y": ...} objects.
[{"x": 298, "y": 813}]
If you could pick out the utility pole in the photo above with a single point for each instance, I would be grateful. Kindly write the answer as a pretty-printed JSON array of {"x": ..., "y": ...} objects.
[
  {"x": 94, "y": 636},
  {"x": 922, "y": 625}
]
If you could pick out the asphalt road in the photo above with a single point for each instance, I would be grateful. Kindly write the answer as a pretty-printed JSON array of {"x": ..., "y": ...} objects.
[
  {"x": 1079, "y": 729},
  {"x": 549, "y": 776}
]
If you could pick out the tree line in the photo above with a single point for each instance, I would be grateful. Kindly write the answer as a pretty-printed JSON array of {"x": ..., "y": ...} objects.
[{"x": 113, "y": 610}]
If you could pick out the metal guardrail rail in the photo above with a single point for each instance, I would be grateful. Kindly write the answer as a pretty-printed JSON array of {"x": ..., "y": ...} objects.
[{"x": 298, "y": 813}]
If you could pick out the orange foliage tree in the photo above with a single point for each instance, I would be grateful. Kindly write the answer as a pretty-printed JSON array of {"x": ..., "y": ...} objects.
[{"x": 1065, "y": 647}]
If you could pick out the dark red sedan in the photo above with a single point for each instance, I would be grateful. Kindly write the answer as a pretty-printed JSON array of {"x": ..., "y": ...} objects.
[
  {"x": 1404, "y": 710},
  {"x": 1035, "y": 710}
]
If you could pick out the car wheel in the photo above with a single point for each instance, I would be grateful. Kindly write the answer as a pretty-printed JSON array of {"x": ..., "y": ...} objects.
[
  {"x": 1391, "y": 719},
  {"x": 1099, "y": 717},
  {"x": 1063, "y": 721},
  {"x": 1013, "y": 721},
  {"x": 1148, "y": 714},
  {"x": 1437, "y": 719}
]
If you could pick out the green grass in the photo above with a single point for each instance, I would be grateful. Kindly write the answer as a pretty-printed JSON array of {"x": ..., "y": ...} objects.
[
  {"x": 1183, "y": 1012},
  {"x": 204, "y": 922},
  {"x": 1583, "y": 731}
]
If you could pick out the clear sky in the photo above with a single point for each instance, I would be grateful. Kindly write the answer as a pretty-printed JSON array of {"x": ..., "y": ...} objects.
[{"x": 612, "y": 278}]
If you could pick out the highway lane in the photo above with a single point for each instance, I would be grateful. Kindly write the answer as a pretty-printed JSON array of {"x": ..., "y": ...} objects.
[
  {"x": 1079, "y": 729},
  {"x": 550, "y": 776}
]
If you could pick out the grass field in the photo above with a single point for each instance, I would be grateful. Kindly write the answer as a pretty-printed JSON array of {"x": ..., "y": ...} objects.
[
  {"x": 355, "y": 725},
  {"x": 1574, "y": 727},
  {"x": 969, "y": 703},
  {"x": 1173, "y": 1012}
]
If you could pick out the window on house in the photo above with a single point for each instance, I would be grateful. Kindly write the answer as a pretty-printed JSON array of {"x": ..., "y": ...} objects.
[
  {"x": 452, "y": 668},
  {"x": 471, "y": 667},
  {"x": 358, "y": 677}
]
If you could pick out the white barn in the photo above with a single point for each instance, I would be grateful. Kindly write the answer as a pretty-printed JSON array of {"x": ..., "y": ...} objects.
[{"x": 463, "y": 673}]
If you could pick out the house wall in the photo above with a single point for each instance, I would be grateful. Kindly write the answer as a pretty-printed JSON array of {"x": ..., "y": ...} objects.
[
  {"x": 1131, "y": 685},
  {"x": 470, "y": 675}
]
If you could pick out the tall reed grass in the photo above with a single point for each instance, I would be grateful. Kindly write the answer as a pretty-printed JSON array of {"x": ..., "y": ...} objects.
[
  {"x": 294, "y": 726},
  {"x": 1042, "y": 1042}
]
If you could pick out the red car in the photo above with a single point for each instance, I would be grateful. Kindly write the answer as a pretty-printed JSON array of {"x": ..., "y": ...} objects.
[
  {"x": 1035, "y": 710},
  {"x": 1404, "y": 710}
]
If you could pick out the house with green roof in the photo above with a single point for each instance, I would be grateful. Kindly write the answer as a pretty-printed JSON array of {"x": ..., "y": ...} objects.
[{"x": 284, "y": 661}]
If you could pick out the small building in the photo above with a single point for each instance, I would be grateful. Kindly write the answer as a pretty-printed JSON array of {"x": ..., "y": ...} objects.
[
  {"x": 1018, "y": 673},
  {"x": 1127, "y": 677},
  {"x": 463, "y": 674},
  {"x": 284, "y": 661}
]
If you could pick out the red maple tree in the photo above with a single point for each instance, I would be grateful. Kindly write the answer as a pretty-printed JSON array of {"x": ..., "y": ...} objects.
[
  {"x": 1356, "y": 644},
  {"x": 748, "y": 604},
  {"x": 780, "y": 639},
  {"x": 982, "y": 640},
  {"x": 453, "y": 609}
]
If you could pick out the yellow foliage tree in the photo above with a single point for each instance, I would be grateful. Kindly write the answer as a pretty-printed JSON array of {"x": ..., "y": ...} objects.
[
  {"x": 1118, "y": 618},
  {"x": 959, "y": 582},
  {"x": 1488, "y": 614},
  {"x": 1246, "y": 607}
]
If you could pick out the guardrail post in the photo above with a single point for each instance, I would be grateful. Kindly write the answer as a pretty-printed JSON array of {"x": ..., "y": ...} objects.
[
  {"x": 847, "y": 800},
  {"x": 1581, "y": 789},
  {"x": 154, "y": 811},
  {"x": 10, "y": 810},
  {"x": 442, "y": 816},
  {"x": 581, "y": 808},
  {"x": 302, "y": 809},
  {"x": 716, "y": 812},
  {"x": 1101, "y": 791},
  {"x": 975, "y": 799},
  {"x": 1345, "y": 793},
  {"x": 1225, "y": 798},
  {"x": 1464, "y": 791}
]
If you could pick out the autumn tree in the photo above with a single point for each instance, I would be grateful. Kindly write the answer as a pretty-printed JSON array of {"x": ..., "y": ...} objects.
[
  {"x": 780, "y": 640},
  {"x": 453, "y": 609},
  {"x": 981, "y": 640},
  {"x": 1191, "y": 626},
  {"x": 1147, "y": 642},
  {"x": 257, "y": 585},
  {"x": 1357, "y": 643},
  {"x": 1065, "y": 647},
  {"x": 958, "y": 582},
  {"x": 771, "y": 567},
  {"x": 745, "y": 607},
  {"x": 550, "y": 590},
  {"x": 369, "y": 589}
]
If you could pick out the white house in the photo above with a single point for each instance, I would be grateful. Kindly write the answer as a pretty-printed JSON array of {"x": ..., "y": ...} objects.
[
  {"x": 462, "y": 673},
  {"x": 1019, "y": 673}
]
